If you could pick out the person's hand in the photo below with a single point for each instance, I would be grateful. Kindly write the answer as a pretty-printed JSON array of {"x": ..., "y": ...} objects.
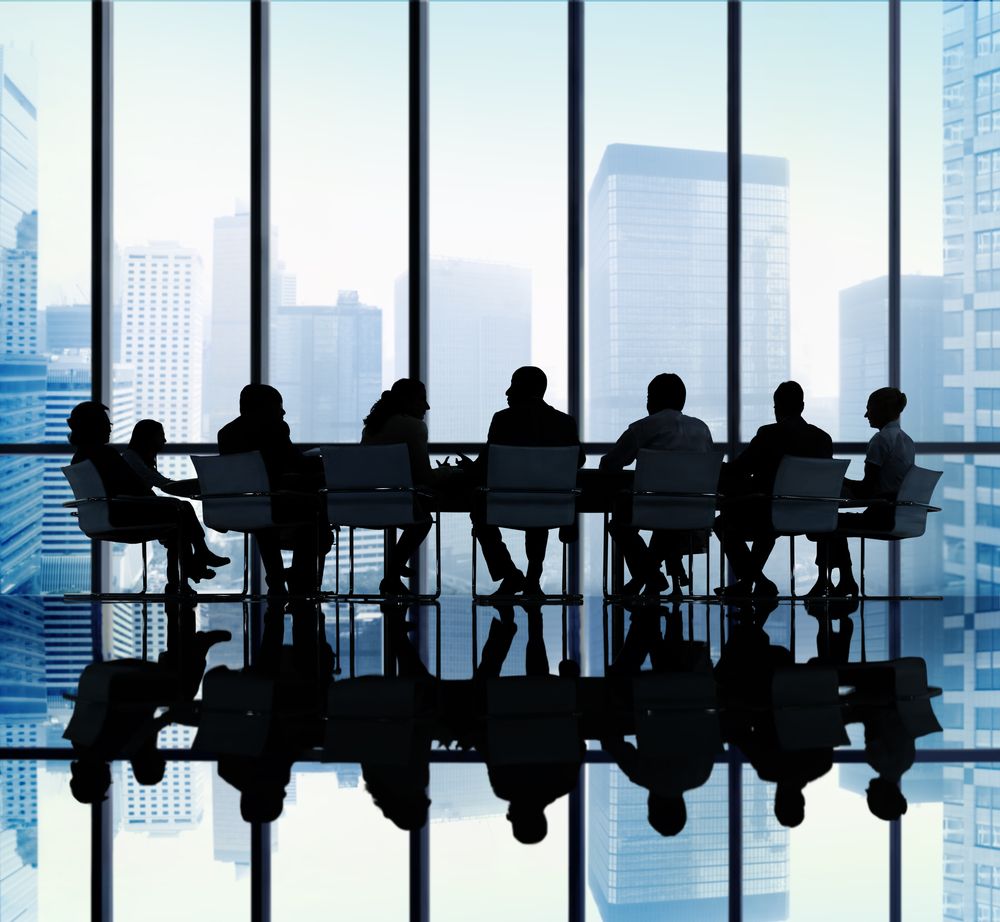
[
  {"x": 445, "y": 463},
  {"x": 464, "y": 461}
]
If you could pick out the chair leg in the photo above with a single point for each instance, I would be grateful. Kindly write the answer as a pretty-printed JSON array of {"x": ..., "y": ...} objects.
[
  {"x": 145, "y": 627},
  {"x": 350, "y": 562},
  {"x": 791, "y": 565},
  {"x": 437, "y": 555},
  {"x": 246, "y": 563},
  {"x": 604, "y": 558},
  {"x": 708, "y": 569},
  {"x": 475, "y": 591},
  {"x": 145, "y": 570},
  {"x": 336, "y": 578},
  {"x": 862, "y": 568},
  {"x": 565, "y": 564}
]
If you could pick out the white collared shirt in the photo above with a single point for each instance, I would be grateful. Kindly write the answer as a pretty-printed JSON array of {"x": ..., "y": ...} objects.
[
  {"x": 667, "y": 430},
  {"x": 891, "y": 450}
]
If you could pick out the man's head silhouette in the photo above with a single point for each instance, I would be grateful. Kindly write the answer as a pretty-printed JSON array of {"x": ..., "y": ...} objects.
[
  {"x": 262, "y": 402},
  {"x": 789, "y": 804},
  {"x": 527, "y": 822},
  {"x": 89, "y": 424},
  {"x": 789, "y": 401},
  {"x": 885, "y": 799},
  {"x": 667, "y": 815},
  {"x": 527, "y": 382},
  {"x": 665, "y": 392}
]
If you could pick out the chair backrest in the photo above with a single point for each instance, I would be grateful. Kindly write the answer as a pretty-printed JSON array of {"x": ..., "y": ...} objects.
[
  {"x": 86, "y": 483},
  {"x": 532, "y": 720},
  {"x": 369, "y": 485},
  {"x": 547, "y": 477},
  {"x": 813, "y": 486},
  {"x": 676, "y": 713},
  {"x": 221, "y": 475},
  {"x": 917, "y": 487},
  {"x": 675, "y": 472},
  {"x": 806, "y": 708}
]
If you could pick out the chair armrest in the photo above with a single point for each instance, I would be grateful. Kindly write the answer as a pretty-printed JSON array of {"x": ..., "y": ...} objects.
[
  {"x": 369, "y": 490},
  {"x": 548, "y": 491},
  {"x": 671, "y": 493},
  {"x": 839, "y": 500},
  {"x": 204, "y": 496}
]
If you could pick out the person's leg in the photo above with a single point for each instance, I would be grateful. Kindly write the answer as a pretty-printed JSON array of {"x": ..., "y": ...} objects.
[
  {"x": 535, "y": 542},
  {"x": 628, "y": 540},
  {"x": 536, "y": 659},
  {"x": 763, "y": 544},
  {"x": 410, "y": 539},
  {"x": 269, "y": 548},
  {"x": 728, "y": 528},
  {"x": 495, "y": 553}
]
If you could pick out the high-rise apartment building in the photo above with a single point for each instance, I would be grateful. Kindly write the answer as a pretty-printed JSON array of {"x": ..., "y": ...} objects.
[
  {"x": 479, "y": 332},
  {"x": 161, "y": 336},
  {"x": 657, "y": 283},
  {"x": 65, "y": 326},
  {"x": 327, "y": 363}
]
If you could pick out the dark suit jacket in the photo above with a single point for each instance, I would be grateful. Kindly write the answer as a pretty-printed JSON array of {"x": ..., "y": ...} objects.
[
  {"x": 531, "y": 423},
  {"x": 272, "y": 440},
  {"x": 116, "y": 474},
  {"x": 754, "y": 470}
]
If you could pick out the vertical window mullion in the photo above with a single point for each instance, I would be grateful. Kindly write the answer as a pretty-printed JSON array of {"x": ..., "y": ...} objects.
[{"x": 734, "y": 173}]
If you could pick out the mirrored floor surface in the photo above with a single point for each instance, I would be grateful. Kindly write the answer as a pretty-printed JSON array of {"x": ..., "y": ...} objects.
[{"x": 691, "y": 760}]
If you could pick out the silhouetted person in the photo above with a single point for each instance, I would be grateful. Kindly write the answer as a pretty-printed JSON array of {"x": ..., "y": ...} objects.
[
  {"x": 666, "y": 428},
  {"x": 835, "y": 628},
  {"x": 90, "y": 432},
  {"x": 745, "y": 673},
  {"x": 114, "y": 715},
  {"x": 299, "y": 675},
  {"x": 675, "y": 748},
  {"x": 261, "y": 427},
  {"x": 753, "y": 472},
  {"x": 890, "y": 456},
  {"x": 397, "y": 418},
  {"x": 528, "y": 422},
  {"x": 147, "y": 441}
]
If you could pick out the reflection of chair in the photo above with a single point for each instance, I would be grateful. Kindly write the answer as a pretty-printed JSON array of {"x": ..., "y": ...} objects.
[
  {"x": 95, "y": 512},
  {"x": 807, "y": 708},
  {"x": 899, "y": 685},
  {"x": 530, "y": 488},
  {"x": 532, "y": 720},
  {"x": 806, "y": 500},
  {"x": 236, "y": 496},
  {"x": 676, "y": 713},
  {"x": 371, "y": 486},
  {"x": 237, "y": 713},
  {"x": 673, "y": 491},
  {"x": 373, "y": 720},
  {"x": 910, "y": 510}
]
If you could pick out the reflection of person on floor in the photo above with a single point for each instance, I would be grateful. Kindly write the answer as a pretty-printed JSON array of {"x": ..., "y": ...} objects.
[
  {"x": 300, "y": 674},
  {"x": 114, "y": 715},
  {"x": 675, "y": 748},
  {"x": 400, "y": 790},
  {"x": 745, "y": 673},
  {"x": 528, "y": 787}
]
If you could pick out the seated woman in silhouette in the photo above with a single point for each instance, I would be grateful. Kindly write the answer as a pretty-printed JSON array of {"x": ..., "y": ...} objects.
[
  {"x": 397, "y": 418},
  {"x": 147, "y": 441},
  {"x": 90, "y": 432},
  {"x": 890, "y": 456}
]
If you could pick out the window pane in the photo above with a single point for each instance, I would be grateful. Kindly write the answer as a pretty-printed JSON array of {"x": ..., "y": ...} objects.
[
  {"x": 947, "y": 220},
  {"x": 44, "y": 206},
  {"x": 339, "y": 207},
  {"x": 469, "y": 830},
  {"x": 497, "y": 284},
  {"x": 656, "y": 183},
  {"x": 635, "y": 873},
  {"x": 798, "y": 96},
  {"x": 181, "y": 339}
]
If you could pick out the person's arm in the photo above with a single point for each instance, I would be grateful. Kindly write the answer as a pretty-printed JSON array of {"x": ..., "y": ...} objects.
[
  {"x": 624, "y": 452},
  {"x": 869, "y": 486},
  {"x": 420, "y": 460}
]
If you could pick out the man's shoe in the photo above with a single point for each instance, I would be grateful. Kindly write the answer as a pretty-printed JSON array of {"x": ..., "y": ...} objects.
[
  {"x": 633, "y": 586},
  {"x": 821, "y": 588},
  {"x": 764, "y": 588},
  {"x": 532, "y": 588},
  {"x": 741, "y": 589},
  {"x": 656, "y": 585},
  {"x": 213, "y": 560},
  {"x": 392, "y": 586},
  {"x": 511, "y": 584},
  {"x": 183, "y": 589},
  {"x": 847, "y": 587}
]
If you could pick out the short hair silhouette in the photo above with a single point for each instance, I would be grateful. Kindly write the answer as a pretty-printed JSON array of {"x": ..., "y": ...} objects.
[
  {"x": 145, "y": 432},
  {"x": 528, "y": 381},
  {"x": 667, "y": 392},
  {"x": 789, "y": 399},
  {"x": 258, "y": 396},
  {"x": 667, "y": 815},
  {"x": 885, "y": 799},
  {"x": 89, "y": 780},
  {"x": 891, "y": 400},
  {"x": 262, "y": 804},
  {"x": 789, "y": 804},
  {"x": 148, "y": 767},
  {"x": 86, "y": 420},
  {"x": 528, "y": 822}
]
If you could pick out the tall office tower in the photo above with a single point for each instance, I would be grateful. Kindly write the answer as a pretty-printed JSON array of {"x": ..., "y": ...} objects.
[
  {"x": 161, "y": 335},
  {"x": 65, "y": 326},
  {"x": 864, "y": 366},
  {"x": 480, "y": 331},
  {"x": 327, "y": 363},
  {"x": 176, "y": 803},
  {"x": 657, "y": 285},
  {"x": 230, "y": 834},
  {"x": 20, "y": 368}
]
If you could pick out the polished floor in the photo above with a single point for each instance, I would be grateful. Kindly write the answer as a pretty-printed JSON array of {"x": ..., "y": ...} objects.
[{"x": 332, "y": 846}]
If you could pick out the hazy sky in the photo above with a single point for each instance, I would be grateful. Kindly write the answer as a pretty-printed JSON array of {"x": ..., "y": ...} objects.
[{"x": 814, "y": 93}]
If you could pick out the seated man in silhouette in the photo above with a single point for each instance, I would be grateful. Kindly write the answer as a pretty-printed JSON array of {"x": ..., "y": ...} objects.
[
  {"x": 261, "y": 427},
  {"x": 751, "y": 475},
  {"x": 666, "y": 428},
  {"x": 528, "y": 421}
]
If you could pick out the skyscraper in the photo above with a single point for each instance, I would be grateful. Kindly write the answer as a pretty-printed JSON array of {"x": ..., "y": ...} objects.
[
  {"x": 480, "y": 331},
  {"x": 66, "y": 326},
  {"x": 161, "y": 335},
  {"x": 327, "y": 363},
  {"x": 657, "y": 283}
]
